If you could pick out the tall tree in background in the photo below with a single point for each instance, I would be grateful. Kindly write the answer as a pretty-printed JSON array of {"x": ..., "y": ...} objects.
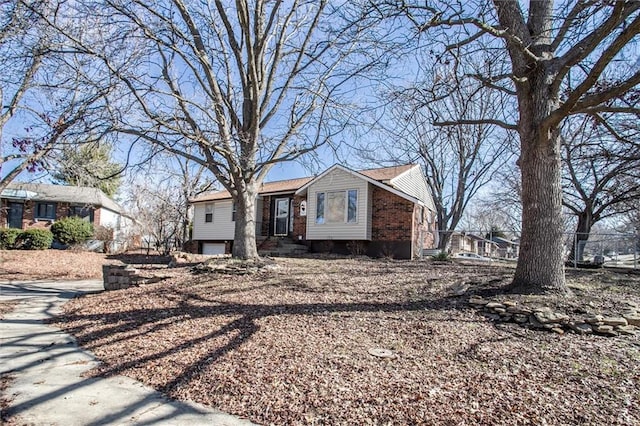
[
  {"x": 501, "y": 206},
  {"x": 42, "y": 100},
  {"x": 574, "y": 57},
  {"x": 159, "y": 194},
  {"x": 458, "y": 160},
  {"x": 601, "y": 174},
  {"x": 88, "y": 164},
  {"x": 250, "y": 83}
]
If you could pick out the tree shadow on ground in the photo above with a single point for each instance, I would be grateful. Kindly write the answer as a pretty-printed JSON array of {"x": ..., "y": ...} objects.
[{"x": 239, "y": 322}]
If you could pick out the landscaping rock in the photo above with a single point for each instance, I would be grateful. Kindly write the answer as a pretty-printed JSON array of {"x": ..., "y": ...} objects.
[
  {"x": 382, "y": 353},
  {"x": 477, "y": 300},
  {"x": 580, "y": 328},
  {"x": 492, "y": 317},
  {"x": 545, "y": 318},
  {"x": 551, "y": 326},
  {"x": 519, "y": 318},
  {"x": 533, "y": 322},
  {"x": 628, "y": 330},
  {"x": 493, "y": 305},
  {"x": 595, "y": 320},
  {"x": 614, "y": 321},
  {"x": 632, "y": 319},
  {"x": 605, "y": 329},
  {"x": 117, "y": 277},
  {"x": 519, "y": 310}
]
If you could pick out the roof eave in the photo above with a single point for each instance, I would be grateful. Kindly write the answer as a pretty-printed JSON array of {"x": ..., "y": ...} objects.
[{"x": 379, "y": 184}]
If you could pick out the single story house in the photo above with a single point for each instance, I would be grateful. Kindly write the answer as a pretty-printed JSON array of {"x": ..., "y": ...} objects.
[
  {"x": 465, "y": 242},
  {"x": 38, "y": 205},
  {"x": 379, "y": 212},
  {"x": 506, "y": 248}
]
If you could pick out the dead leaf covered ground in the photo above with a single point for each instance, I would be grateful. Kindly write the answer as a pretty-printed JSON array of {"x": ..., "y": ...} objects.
[
  {"x": 292, "y": 345},
  {"x": 22, "y": 265}
]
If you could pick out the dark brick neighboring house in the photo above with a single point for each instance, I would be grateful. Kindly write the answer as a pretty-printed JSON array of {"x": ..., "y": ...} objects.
[
  {"x": 379, "y": 212},
  {"x": 35, "y": 205}
]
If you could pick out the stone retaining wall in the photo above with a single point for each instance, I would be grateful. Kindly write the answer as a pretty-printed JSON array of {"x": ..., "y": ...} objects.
[
  {"x": 544, "y": 318},
  {"x": 116, "y": 277}
]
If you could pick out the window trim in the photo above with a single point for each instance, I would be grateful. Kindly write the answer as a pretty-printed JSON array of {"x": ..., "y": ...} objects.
[
  {"x": 207, "y": 207},
  {"x": 355, "y": 213},
  {"x": 36, "y": 213},
  {"x": 321, "y": 219},
  {"x": 88, "y": 211}
]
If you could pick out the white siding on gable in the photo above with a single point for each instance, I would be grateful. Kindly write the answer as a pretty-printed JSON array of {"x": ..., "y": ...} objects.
[
  {"x": 339, "y": 180},
  {"x": 221, "y": 228},
  {"x": 413, "y": 182},
  {"x": 109, "y": 219}
]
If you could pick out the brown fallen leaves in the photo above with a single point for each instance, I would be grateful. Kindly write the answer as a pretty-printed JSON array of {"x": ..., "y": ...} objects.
[
  {"x": 291, "y": 345},
  {"x": 50, "y": 265}
]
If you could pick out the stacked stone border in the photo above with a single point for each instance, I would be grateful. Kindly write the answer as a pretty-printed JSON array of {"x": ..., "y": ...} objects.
[
  {"x": 544, "y": 318},
  {"x": 116, "y": 277}
]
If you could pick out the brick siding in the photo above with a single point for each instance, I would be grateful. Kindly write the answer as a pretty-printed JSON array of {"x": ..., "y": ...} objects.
[
  {"x": 266, "y": 215},
  {"x": 28, "y": 214},
  {"x": 392, "y": 216},
  {"x": 299, "y": 222}
]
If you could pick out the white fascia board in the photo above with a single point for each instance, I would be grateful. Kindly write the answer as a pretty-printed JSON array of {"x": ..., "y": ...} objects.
[{"x": 386, "y": 187}]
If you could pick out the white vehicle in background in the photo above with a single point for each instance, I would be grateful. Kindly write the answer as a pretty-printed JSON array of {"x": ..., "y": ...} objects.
[{"x": 471, "y": 256}]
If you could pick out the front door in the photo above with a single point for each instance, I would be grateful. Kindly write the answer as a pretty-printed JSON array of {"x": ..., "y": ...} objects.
[
  {"x": 281, "y": 225},
  {"x": 15, "y": 215}
]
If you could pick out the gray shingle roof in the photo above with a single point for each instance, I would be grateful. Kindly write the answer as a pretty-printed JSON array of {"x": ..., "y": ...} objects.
[{"x": 61, "y": 193}]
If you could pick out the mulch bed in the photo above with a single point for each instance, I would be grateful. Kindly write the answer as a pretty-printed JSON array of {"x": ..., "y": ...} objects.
[{"x": 358, "y": 341}]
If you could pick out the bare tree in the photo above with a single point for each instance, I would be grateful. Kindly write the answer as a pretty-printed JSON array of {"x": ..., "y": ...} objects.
[
  {"x": 501, "y": 204},
  {"x": 43, "y": 102},
  {"x": 157, "y": 213},
  {"x": 561, "y": 58},
  {"x": 458, "y": 160},
  {"x": 159, "y": 194},
  {"x": 21, "y": 54},
  {"x": 602, "y": 174},
  {"x": 249, "y": 83}
]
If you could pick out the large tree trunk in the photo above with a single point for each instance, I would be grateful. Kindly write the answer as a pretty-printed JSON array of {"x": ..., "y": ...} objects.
[
  {"x": 244, "y": 242},
  {"x": 444, "y": 240},
  {"x": 540, "y": 266},
  {"x": 583, "y": 229}
]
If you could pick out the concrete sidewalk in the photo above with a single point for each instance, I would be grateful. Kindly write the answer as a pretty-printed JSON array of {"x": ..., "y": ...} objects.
[{"x": 46, "y": 367}]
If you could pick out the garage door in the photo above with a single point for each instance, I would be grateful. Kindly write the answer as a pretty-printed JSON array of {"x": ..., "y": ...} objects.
[{"x": 213, "y": 248}]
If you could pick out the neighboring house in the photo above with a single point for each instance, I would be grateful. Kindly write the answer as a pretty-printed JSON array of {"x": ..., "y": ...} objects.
[
  {"x": 36, "y": 205},
  {"x": 465, "y": 242},
  {"x": 506, "y": 248},
  {"x": 379, "y": 212}
]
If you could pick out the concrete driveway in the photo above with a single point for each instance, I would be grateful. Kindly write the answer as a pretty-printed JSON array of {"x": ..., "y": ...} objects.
[{"x": 46, "y": 367}]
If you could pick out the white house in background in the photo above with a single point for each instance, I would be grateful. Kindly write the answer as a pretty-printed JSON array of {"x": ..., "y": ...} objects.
[
  {"x": 38, "y": 205},
  {"x": 384, "y": 211},
  {"x": 466, "y": 242}
]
